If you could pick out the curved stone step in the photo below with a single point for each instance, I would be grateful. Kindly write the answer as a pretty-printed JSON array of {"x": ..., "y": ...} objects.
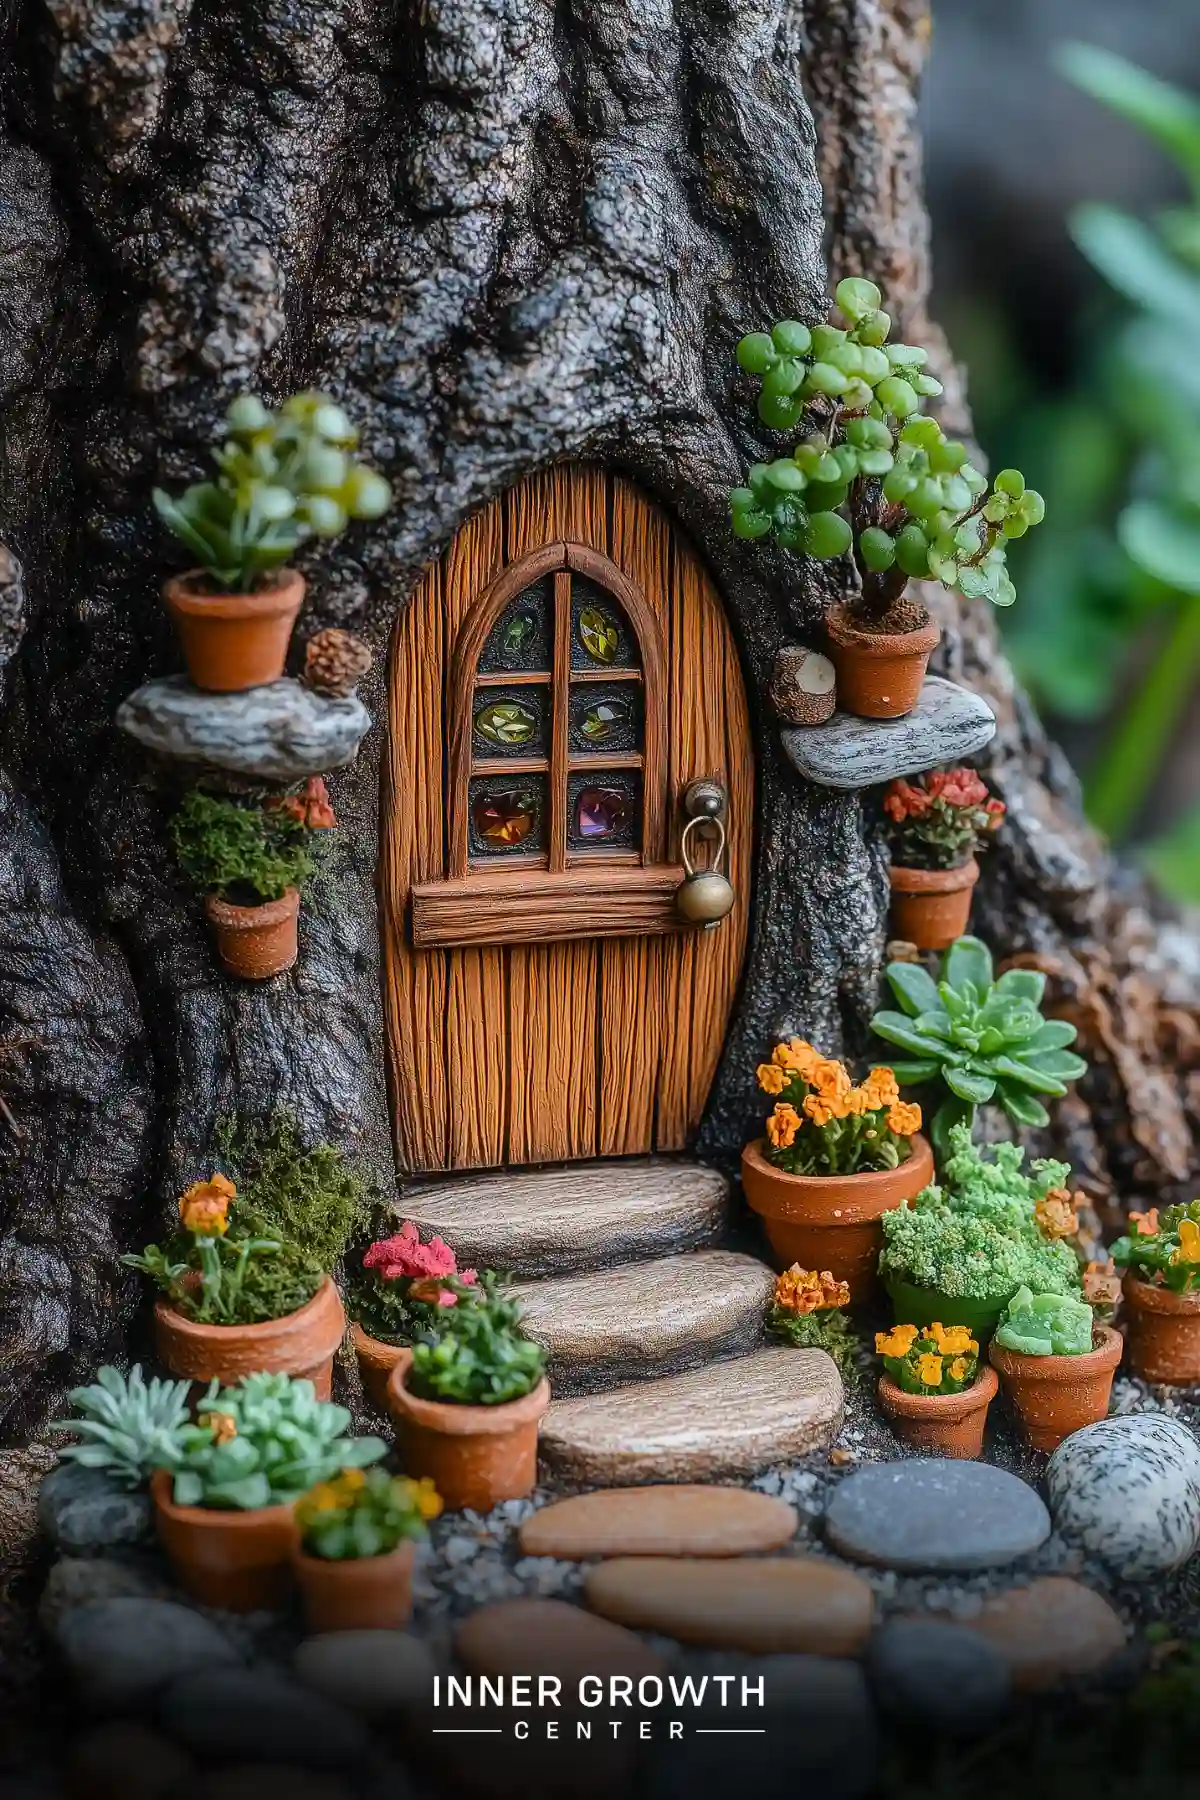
[
  {"x": 728, "y": 1419},
  {"x": 645, "y": 1319},
  {"x": 554, "y": 1221}
]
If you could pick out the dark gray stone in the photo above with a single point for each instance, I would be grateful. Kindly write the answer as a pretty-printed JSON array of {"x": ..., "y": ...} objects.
[
  {"x": 938, "y": 1677},
  {"x": 933, "y": 1513},
  {"x": 947, "y": 724},
  {"x": 262, "y": 1717},
  {"x": 122, "y": 1652},
  {"x": 277, "y": 733},
  {"x": 77, "y": 1581},
  {"x": 82, "y": 1509}
]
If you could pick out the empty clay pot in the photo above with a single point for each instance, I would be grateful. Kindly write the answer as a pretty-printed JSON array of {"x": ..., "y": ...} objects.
[
  {"x": 1053, "y": 1396},
  {"x": 931, "y": 907},
  {"x": 302, "y": 1344},
  {"x": 234, "y": 641},
  {"x": 256, "y": 942},
  {"x": 475, "y": 1456},
  {"x": 376, "y": 1360},
  {"x": 1164, "y": 1332},
  {"x": 879, "y": 673},
  {"x": 831, "y": 1221},
  {"x": 364, "y": 1593},
  {"x": 943, "y": 1424},
  {"x": 241, "y": 1561}
]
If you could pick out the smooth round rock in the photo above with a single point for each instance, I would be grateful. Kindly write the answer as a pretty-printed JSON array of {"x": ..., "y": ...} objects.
[
  {"x": 76, "y": 1581},
  {"x": 1128, "y": 1490},
  {"x": 549, "y": 1637},
  {"x": 688, "y": 1520},
  {"x": 939, "y": 1677},
  {"x": 1052, "y": 1631},
  {"x": 935, "y": 1514},
  {"x": 277, "y": 733},
  {"x": 125, "y": 1760},
  {"x": 759, "y": 1604},
  {"x": 370, "y": 1672},
  {"x": 255, "y": 1716},
  {"x": 121, "y": 1652},
  {"x": 82, "y": 1509}
]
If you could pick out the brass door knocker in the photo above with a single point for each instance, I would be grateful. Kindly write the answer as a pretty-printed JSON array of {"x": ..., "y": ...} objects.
[{"x": 704, "y": 896}]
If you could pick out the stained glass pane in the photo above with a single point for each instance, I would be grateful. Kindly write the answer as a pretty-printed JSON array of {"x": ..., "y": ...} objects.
[
  {"x": 521, "y": 637},
  {"x": 606, "y": 718},
  {"x": 604, "y": 812},
  {"x": 511, "y": 721},
  {"x": 600, "y": 634},
  {"x": 508, "y": 817}
]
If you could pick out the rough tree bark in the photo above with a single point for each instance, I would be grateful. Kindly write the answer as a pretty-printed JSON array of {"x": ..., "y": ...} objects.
[{"x": 503, "y": 231}]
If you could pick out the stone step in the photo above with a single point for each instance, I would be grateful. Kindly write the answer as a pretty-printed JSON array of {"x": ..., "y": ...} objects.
[
  {"x": 728, "y": 1419},
  {"x": 646, "y": 1319},
  {"x": 555, "y": 1221}
]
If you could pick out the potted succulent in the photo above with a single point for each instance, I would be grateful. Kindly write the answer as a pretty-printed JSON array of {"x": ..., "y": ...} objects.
[
  {"x": 399, "y": 1296},
  {"x": 808, "y": 1312},
  {"x": 1055, "y": 1364},
  {"x": 938, "y": 823},
  {"x": 933, "y": 1391},
  {"x": 1161, "y": 1259},
  {"x": 127, "y": 1426},
  {"x": 354, "y": 1559},
  {"x": 836, "y": 1156},
  {"x": 467, "y": 1402},
  {"x": 872, "y": 479},
  {"x": 282, "y": 477},
  {"x": 960, "y": 1251},
  {"x": 982, "y": 1038},
  {"x": 224, "y": 1507},
  {"x": 250, "y": 862}
]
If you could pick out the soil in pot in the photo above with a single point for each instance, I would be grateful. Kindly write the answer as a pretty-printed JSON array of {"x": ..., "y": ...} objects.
[
  {"x": 923, "y": 1306},
  {"x": 241, "y": 1561},
  {"x": 376, "y": 1360},
  {"x": 365, "y": 1593},
  {"x": 941, "y": 1424},
  {"x": 234, "y": 641},
  {"x": 831, "y": 1221},
  {"x": 303, "y": 1344},
  {"x": 932, "y": 907},
  {"x": 879, "y": 673},
  {"x": 1164, "y": 1332},
  {"x": 475, "y": 1456},
  {"x": 1053, "y": 1396},
  {"x": 256, "y": 942}
]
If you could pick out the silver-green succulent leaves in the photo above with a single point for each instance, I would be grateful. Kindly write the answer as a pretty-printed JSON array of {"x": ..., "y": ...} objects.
[
  {"x": 983, "y": 1039},
  {"x": 127, "y": 1426},
  {"x": 282, "y": 477}
]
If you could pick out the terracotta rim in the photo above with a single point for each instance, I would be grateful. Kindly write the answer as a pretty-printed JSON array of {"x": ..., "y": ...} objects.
[
  {"x": 213, "y": 1518},
  {"x": 839, "y": 1199},
  {"x": 449, "y": 1420},
  {"x": 271, "y": 1331},
  {"x": 1151, "y": 1298},
  {"x": 376, "y": 1350},
  {"x": 402, "y": 1555},
  {"x": 187, "y": 594},
  {"x": 1103, "y": 1355},
  {"x": 842, "y": 629},
  {"x": 252, "y": 918},
  {"x": 933, "y": 881},
  {"x": 981, "y": 1393}
]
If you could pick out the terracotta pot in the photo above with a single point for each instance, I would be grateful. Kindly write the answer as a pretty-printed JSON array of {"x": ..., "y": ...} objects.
[
  {"x": 931, "y": 907},
  {"x": 913, "y": 1305},
  {"x": 1164, "y": 1333},
  {"x": 376, "y": 1360},
  {"x": 366, "y": 1593},
  {"x": 1053, "y": 1396},
  {"x": 831, "y": 1221},
  {"x": 241, "y": 1561},
  {"x": 302, "y": 1344},
  {"x": 475, "y": 1456},
  {"x": 879, "y": 673},
  {"x": 256, "y": 942},
  {"x": 234, "y": 641},
  {"x": 942, "y": 1424}
]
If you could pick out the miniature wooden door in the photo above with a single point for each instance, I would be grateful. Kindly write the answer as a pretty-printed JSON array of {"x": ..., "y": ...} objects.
[{"x": 557, "y": 681}]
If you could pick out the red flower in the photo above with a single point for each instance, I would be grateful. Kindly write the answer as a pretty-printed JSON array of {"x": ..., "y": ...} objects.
[
  {"x": 405, "y": 1258},
  {"x": 995, "y": 810},
  {"x": 957, "y": 787},
  {"x": 903, "y": 801},
  {"x": 312, "y": 809}
]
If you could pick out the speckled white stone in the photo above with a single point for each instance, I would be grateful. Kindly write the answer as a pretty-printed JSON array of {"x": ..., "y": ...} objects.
[
  {"x": 947, "y": 724},
  {"x": 282, "y": 731},
  {"x": 1128, "y": 1490}
]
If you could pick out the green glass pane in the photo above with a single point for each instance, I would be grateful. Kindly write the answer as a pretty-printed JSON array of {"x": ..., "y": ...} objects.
[
  {"x": 506, "y": 722},
  {"x": 598, "y": 634},
  {"x": 517, "y": 634},
  {"x": 604, "y": 719}
]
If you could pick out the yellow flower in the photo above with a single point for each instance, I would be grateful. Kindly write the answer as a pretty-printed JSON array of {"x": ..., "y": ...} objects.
[
  {"x": 771, "y": 1078},
  {"x": 904, "y": 1118},
  {"x": 953, "y": 1341},
  {"x": 929, "y": 1370},
  {"x": 783, "y": 1125},
  {"x": 204, "y": 1207},
  {"x": 896, "y": 1342},
  {"x": 425, "y": 1497},
  {"x": 1055, "y": 1213},
  {"x": 958, "y": 1368},
  {"x": 351, "y": 1480},
  {"x": 1189, "y": 1243}
]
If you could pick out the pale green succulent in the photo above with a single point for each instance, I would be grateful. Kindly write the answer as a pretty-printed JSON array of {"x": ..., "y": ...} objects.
[
  {"x": 128, "y": 1427},
  {"x": 1046, "y": 1325}
]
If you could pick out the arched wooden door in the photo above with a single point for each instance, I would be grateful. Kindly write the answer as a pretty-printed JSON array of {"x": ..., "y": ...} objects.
[{"x": 557, "y": 681}]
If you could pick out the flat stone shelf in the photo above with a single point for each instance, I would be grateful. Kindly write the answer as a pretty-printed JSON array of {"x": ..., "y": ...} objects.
[
  {"x": 537, "y": 1222},
  {"x": 728, "y": 1419},
  {"x": 281, "y": 732},
  {"x": 947, "y": 724},
  {"x": 645, "y": 1319}
]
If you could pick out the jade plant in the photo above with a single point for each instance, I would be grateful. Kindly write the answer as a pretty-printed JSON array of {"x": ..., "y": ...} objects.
[
  {"x": 128, "y": 1426},
  {"x": 870, "y": 475},
  {"x": 929, "y": 1359},
  {"x": 281, "y": 477},
  {"x": 405, "y": 1285},
  {"x": 1163, "y": 1248},
  {"x": 364, "y": 1512},
  {"x": 479, "y": 1355},
  {"x": 248, "y": 853},
  {"x": 939, "y": 821},
  {"x": 265, "y": 1442},
  {"x": 982, "y": 1038},
  {"x": 1045, "y": 1325}
]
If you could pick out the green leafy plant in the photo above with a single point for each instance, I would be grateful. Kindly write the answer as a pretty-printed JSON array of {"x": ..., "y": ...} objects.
[
  {"x": 929, "y": 1359},
  {"x": 265, "y": 1442},
  {"x": 479, "y": 1355},
  {"x": 364, "y": 1513},
  {"x": 246, "y": 853},
  {"x": 282, "y": 477},
  {"x": 1045, "y": 1325},
  {"x": 940, "y": 820},
  {"x": 870, "y": 475},
  {"x": 808, "y": 1311},
  {"x": 129, "y": 1426},
  {"x": 1163, "y": 1248},
  {"x": 983, "y": 1039}
]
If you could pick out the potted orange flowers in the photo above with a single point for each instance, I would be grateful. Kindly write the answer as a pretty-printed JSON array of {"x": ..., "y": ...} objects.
[
  {"x": 933, "y": 1391},
  {"x": 835, "y": 1158},
  {"x": 938, "y": 823},
  {"x": 1161, "y": 1258}
]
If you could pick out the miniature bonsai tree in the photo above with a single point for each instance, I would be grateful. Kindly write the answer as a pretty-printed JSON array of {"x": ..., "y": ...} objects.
[
  {"x": 1045, "y": 1325},
  {"x": 363, "y": 1513},
  {"x": 939, "y": 821},
  {"x": 871, "y": 476},
  {"x": 405, "y": 1285},
  {"x": 479, "y": 1355},
  {"x": 1163, "y": 1248},
  {"x": 265, "y": 1442},
  {"x": 823, "y": 1124},
  {"x": 929, "y": 1359},
  {"x": 251, "y": 853}
]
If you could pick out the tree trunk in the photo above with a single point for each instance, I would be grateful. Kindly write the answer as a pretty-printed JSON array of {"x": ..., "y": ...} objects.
[{"x": 504, "y": 232}]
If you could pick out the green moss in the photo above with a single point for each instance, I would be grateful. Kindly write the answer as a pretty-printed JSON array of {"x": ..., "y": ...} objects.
[
  {"x": 829, "y": 1330},
  {"x": 310, "y": 1197},
  {"x": 243, "y": 852}
]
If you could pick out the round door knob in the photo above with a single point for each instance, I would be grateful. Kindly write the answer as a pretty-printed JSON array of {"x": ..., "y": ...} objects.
[{"x": 704, "y": 896}]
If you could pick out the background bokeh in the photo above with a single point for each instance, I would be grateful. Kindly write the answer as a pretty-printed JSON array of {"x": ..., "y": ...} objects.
[{"x": 1085, "y": 371}]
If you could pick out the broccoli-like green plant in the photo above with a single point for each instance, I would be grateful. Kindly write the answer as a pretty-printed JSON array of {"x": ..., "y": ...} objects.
[
  {"x": 1045, "y": 1325},
  {"x": 870, "y": 474},
  {"x": 984, "y": 1039},
  {"x": 361, "y": 1514},
  {"x": 311, "y": 1196},
  {"x": 1164, "y": 1248},
  {"x": 247, "y": 854},
  {"x": 129, "y": 1426},
  {"x": 281, "y": 477},
  {"x": 479, "y": 1356},
  {"x": 264, "y": 1443}
]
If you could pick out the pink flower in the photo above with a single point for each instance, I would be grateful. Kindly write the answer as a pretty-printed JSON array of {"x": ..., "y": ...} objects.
[{"x": 405, "y": 1257}]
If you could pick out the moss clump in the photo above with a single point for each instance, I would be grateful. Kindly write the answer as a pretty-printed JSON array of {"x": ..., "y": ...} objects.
[
  {"x": 828, "y": 1330},
  {"x": 247, "y": 854}
]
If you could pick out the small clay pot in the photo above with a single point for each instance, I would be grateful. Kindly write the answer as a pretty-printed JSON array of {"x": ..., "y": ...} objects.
[
  {"x": 475, "y": 1456},
  {"x": 303, "y": 1344},
  {"x": 942, "y": 1424},
  {"x": 1053, "y": 1396},
  {"x": 912, "y": 1305},
  {"x": 241, "y": 1561},
  {"x": 365, "y": 1593},
  {"x": 831, "y": 1221},
  {"x": 879, "y": 673},
  {"x": 931, "y": 907},
  {"x": 234, "y": 641},
  {"x": 376, "y": 1360},
  {"x": 256, "y": 942},
  {"x": 1164, "y": 1332}
]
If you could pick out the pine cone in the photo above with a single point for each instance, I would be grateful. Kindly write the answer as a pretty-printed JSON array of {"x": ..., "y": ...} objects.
[{"x": 334, "y": 661}]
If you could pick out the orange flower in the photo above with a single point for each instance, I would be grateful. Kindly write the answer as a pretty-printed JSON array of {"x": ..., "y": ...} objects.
[
  {"x": 896, "y": 1342},
  {"x": 771, "y": 1078},
  {"x": 830, "y": 1079},
  {"x": 1145, "y": 1224},
  {"x": 857, "y": 1102},
  {"x": 805, "y": 1290},
  {"x": 222, "y": 1425},
  {"x": 204, "y": 1207},
  {"x": 783, "y": 1125},
  {"x": 796, "y": 1056},
  {"x": 1101, "y": 1284},
  {"x": 312, "y": 808},
  {"x": 821, "y": 1110},
  {"x": 1055, "y": 1213},
  {"x": 904, "y": 1118},
  {"x": 929, "y": 1370},
  {"x": 882, "y": 1088}
]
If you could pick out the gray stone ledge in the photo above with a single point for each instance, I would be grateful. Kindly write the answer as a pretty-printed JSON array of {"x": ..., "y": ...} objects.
[
  {"x": 948, "y": 724},
  {"x": 277, "y": 733}
]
